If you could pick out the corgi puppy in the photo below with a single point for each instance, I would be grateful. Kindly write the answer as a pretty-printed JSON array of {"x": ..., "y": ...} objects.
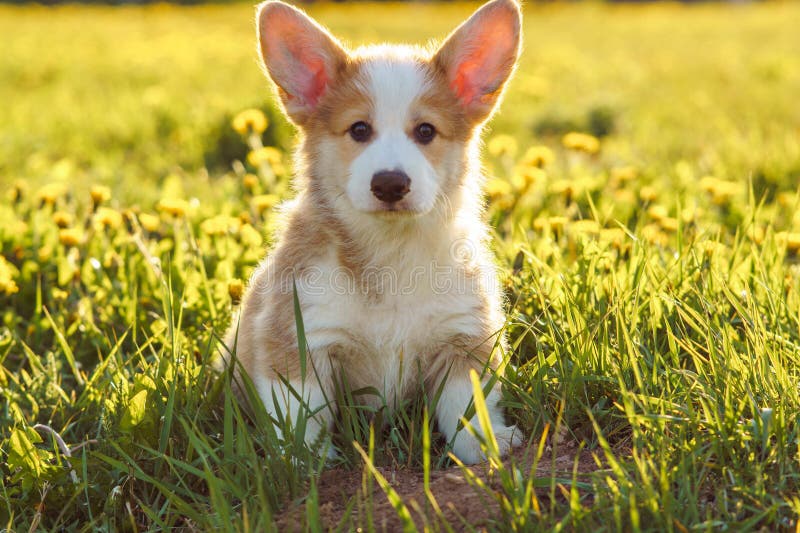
[{"x": 384, "y": 244}]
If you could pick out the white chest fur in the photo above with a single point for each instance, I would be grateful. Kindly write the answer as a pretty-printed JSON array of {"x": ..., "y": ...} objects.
[{"x": 380, "y": 325}]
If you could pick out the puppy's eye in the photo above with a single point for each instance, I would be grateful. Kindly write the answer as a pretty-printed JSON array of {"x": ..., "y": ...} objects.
[
  {"x": 361, "y": 131},
  {"x": 424, "y": 133}
]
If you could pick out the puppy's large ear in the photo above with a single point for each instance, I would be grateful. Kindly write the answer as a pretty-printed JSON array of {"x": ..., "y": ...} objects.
[
  {"x": 299, "y": 55},
  {"x": 480, "y": 55}
]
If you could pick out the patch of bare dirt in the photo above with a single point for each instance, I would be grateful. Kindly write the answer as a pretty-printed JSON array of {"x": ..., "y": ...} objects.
[{"x": 459, "y": 501}]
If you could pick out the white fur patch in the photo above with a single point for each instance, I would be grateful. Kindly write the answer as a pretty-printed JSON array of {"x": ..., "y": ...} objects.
[{"x": 394, "y": 81}]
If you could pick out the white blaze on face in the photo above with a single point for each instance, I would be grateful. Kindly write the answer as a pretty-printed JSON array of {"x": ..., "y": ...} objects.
[{"x": 393, "y": 82}]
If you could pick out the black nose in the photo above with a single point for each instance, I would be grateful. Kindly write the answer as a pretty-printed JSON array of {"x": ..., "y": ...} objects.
[{"x": 390, "y": 185}]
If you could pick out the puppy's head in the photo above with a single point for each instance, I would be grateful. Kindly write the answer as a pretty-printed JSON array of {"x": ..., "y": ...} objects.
[{"x": 388, "y": 129}]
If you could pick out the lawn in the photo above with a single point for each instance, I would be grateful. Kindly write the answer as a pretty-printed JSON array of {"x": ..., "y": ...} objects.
[{"x": 643, "y": 188}]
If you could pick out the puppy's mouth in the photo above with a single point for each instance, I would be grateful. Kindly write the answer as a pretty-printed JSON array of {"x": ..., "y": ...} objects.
[{"x": 395, "y": 210}]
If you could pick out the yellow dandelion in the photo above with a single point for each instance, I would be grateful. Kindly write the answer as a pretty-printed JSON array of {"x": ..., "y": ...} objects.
[
  {"x": 653, "y": 234},
  {"x": 497, "y": 187},
  {"x": 149, "y": 222},
  {"x": 590, "y": 227},
  {"x": 720, "y": 190},
  {"x": 58, "y": 295},
  {"x": 235, "y": 290},
  {"x": 551, "y": 223},
  {"x": 712, "y": 248},
  {"x": 105, "y": 217},
  {"x": 624, "y": 197},
  {"x": 690, "y": 214},
  {"x": 648, "y": 193},
  {"x": 221, "y": 225},
  {"x": 250, "y": 181},
  {"x": 266, "y": 154},
  {"x": 501, "y": 145},
  {"x": 581, "y": 142},
  {"x": 250, "y": 236},
  {"x": 565, "y": 187},
  {"x": 63, "y": 219},
  {"x": 262, "y": 202},
  {"x": 623, "y": 174},
  {"x": 614, "y": 236},
  {"x": 8, "y": 272},
  {"x": 70, "y": 237},
  {"x": 670, "y": 224},
  {"x": 99, "y": 194},
  {"x": 527, "y": 175},
  {"x": 538, "y": 156},
  {"x": 250, "y": 120},
  {"x": 789, "y": 239},
  {"x": 50, "y": 193},
  {"x": 174, "y": 207},
  {"x": 17, "y": 191},
  {"x": 657, "y": 212}
]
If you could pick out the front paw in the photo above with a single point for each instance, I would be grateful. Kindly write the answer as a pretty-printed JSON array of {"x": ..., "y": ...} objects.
[{"x": 468, "y": 448}]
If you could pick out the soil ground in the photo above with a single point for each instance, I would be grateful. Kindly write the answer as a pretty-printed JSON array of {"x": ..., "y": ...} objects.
[{"x": 460, "y": 502}]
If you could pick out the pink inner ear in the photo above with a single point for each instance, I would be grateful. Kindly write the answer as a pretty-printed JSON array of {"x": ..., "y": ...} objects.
[
  {"x": 484, "y": 66},
  {"x": 316, "y": 83},
  {"x": 309, "y": 78},
  {"x": 466, "y": 83}
]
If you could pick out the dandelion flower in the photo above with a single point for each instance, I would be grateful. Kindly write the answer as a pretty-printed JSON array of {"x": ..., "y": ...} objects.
[
  {"x": 789, "y": 239},
  {"x": 250, "y": 120},
  {"x": 266, "y": 154},
  {"x": 691, "y": 214},
  {"x": 653, "y": 234},
  {"x": 62, "y": 219},
  {"x": 527, "y": 175},
  {"x": 250, "y": 181},
  {"x": 657, "y": 212},
  {"x": 17, "y": 191},
  {"x": 7, "y": 274},
  {"x": 590, "y": 227},
  {"x": 501, "y": 145},
  {"x": 624, "y": 174},
  {"x": 149, "y": 222},
  {"x": 720, "y": 190},
  {"x": 648, "y": 193},
  {"x": 99, "y": 194},
  {"x": 70, "y": 237},
  {"x": 105, "y": 217},
  {"x": 262, "y": 202},
  {"x": 669, "y": 224},
  {"x": 250, "y": 236},
  {"x": 174, "y": 207},
  {"x": 221, "y": 225},
  {"x": 712, "y": 248},
  {"x": 538, "y": 156},
  {"x": 551, "y": 223},
  {"x": 50, "y": 193},
  {"x": 235, "y": 290},
  {"x": 581, "y": 142},
  {"x": 564, "y": 186},
  {"x": 614, "y": 236},
  {"x": 497, "y": 187}
]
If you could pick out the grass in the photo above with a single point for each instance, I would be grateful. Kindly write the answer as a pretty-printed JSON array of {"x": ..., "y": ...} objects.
[{"x": 651, "y": 267}]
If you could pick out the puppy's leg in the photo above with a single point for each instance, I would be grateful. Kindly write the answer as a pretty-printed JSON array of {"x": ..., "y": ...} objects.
[
  {"x": 452, "y": 405},
  {"x": 310, "y": 398}
]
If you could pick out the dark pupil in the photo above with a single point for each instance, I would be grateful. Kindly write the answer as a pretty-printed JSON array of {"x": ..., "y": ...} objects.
[
  {"x": 360, "y": 131},
  {"x": 425, "y": 132}
]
